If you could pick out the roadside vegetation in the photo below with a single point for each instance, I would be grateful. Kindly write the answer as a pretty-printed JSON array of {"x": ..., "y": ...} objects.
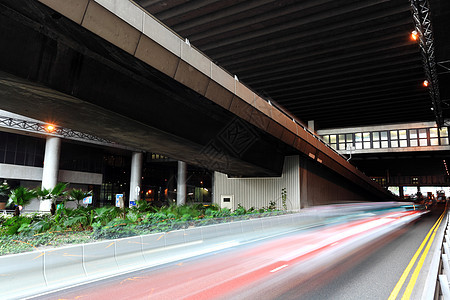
[{"x": 27, "y": 232}]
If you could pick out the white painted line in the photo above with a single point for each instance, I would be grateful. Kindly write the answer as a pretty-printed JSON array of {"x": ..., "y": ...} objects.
[{"x": 279, "y": 268}]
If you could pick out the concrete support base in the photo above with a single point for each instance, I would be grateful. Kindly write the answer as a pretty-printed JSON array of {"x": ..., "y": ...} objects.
[
  {"x": 136, "y": 177},
  {"x": 51, "y": 168}
]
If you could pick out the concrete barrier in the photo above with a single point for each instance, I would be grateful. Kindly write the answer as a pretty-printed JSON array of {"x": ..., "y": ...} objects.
[
  {"x": 99, "y": 258},
  {"x": 64, "y": 264},
  {"x": 41, "y": 271},
  {"x": 128, "y": 253},
  {"x": 21, "y": 274}
]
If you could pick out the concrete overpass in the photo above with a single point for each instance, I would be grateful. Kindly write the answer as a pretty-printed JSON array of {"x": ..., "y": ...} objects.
[{"x": 112, "y": 70}]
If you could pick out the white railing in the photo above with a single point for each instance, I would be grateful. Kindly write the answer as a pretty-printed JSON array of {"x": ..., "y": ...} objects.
[{"x": 437, "y": 285}]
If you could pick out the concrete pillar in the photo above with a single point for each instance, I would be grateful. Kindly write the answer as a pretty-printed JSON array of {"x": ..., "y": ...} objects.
[
  {"x": 51, "y": 168},
  {"x": 136, "y": 176},
  {"x": 181, "y": 183},
  {"x": 304, "y": 200},
  {"x": 400, "y": 192}
]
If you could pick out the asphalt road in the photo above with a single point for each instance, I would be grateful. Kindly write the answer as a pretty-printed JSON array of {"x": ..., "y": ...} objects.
[
  {"x": 368, "y": 274},
  {"x": 375, "y": 276}
]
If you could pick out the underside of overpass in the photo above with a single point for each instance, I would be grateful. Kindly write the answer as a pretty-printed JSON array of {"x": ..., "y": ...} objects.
[
  {"x": 337, "y": 64},
  {"x": 340, "y": 63},
  {"x": 49, "y": 63}
]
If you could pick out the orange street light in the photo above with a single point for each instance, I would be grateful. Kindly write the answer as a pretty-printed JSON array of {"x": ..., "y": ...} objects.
[
  {"x": 426, "y": 83},
  {"x": 414, "y": 35},
  {"x": 50, "y": 128}
]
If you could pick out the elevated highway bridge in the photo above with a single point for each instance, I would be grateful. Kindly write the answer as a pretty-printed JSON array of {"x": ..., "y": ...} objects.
[
  {"x": 112, "y": 70},
  {"x": 230, "y": 86}
]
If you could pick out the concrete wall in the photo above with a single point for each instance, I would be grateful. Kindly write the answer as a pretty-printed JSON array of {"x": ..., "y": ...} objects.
[
  {"x": 31, "y": 177},
  {"x": 319, "y": 186},
  {"x": 9, "y": 171},
  {"x": 307, "y": 183},
  {"x": 259, "y": 192}
]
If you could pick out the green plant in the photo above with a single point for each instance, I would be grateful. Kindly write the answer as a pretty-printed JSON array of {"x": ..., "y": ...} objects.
[
  {"x": 284, "y": 198},
  {"x": 55, "y": 194},
  {"x": 272, "y": 205},
  {"x": 4, "y": 193},
  {"x": 78, "y": 195},
  {"x": 4, "y": 190},
  {"x": 15, "y": 224},
  {"x": 21, "y": 196},
  {"x": 239, "y": 211}
]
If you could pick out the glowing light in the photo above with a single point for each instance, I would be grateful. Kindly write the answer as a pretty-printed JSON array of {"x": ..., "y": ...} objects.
[
  {"x": 426, "y": 83},
  {"x": 50, "y": 128},
  {"x": 414, "y": 35}
]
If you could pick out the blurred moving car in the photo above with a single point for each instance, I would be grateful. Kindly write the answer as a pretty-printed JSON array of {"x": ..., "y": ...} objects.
[{"x": 440, "y": 196}]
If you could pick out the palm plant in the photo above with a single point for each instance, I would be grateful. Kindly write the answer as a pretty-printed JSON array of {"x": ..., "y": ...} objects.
[
  {"x": 53, "y": 194},
  {"x": 78, "y": 195},
  {"x": 21, "y": 196},
  {"x": 4, "y": 193}
]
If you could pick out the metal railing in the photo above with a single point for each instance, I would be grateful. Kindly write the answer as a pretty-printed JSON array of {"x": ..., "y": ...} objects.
[{"x": 437, "y": 285}]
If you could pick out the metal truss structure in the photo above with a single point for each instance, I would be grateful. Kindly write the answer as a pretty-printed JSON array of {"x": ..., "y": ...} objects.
[
  {"x": 422, "y": 19},
  {"x": 42, "y": 128}
]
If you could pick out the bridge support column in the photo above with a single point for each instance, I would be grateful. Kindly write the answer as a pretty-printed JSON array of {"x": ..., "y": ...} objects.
[
  {"x": 181, "y": 183},
  {"x": 303, "y": 184},
  {"x": 136, "y": 177},
  {"x": 51, "y": 168}
]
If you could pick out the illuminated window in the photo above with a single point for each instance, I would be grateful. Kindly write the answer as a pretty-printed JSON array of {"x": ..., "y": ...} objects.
[
  {"x": 394, "y": 138},
  {"x": 341, "y": 142},
  {"x": 376, "y": 139},
  {"x": 433, "y": 132},
  {"x": 413, "y": 142},
  {"x": 366, "y": 139},
  {"x": 376, "y": 136},
  {"x": 422, "y": 133},
  {"x": 434, "y": 137},
  {"x": 402, "y": 136},
  {"x": 358, "y": 140},
  {"x": 443, "y": 133},
  {"x": 423, "y": 140},
  {"x": 333, "y": 141},
  {"x": 366, "y": 136},
  {"x": 384, "y": 139},
  {"x": 394, "y": 134}
]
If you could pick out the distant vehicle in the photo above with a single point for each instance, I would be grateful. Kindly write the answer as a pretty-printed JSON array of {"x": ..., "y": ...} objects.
[
  {"x": 440, "y": 196},
  {"x": 430, "y": 200}
]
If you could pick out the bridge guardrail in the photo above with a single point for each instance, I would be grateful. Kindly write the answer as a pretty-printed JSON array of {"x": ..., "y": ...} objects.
[
  {"x": 437, "y": 285},
  {"x": 40, "y": 271}
]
